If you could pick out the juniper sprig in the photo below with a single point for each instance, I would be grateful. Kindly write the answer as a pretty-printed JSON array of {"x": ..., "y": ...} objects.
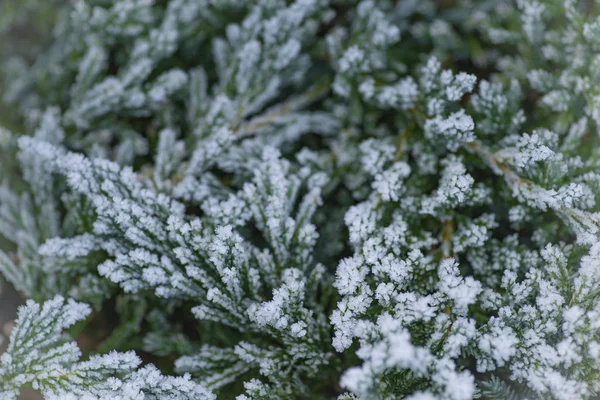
[{"x": 318, "y": 199}]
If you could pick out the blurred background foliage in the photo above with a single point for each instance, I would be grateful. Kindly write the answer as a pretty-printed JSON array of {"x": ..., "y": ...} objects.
[{"x": 25, "y": 29}]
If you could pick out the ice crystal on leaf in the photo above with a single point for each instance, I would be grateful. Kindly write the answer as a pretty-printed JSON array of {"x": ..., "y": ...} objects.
[
  {"x": 40, "y": 355},
  {"x": 350, "y": 199}
]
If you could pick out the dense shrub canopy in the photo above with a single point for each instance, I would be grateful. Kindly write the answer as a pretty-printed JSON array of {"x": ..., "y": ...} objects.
[{"x": 317, "y": 199}]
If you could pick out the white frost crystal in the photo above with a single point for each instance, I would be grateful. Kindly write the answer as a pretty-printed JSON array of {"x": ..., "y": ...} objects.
[{"x": 280, "y": 199}]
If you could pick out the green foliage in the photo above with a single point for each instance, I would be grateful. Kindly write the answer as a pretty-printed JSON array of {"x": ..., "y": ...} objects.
[{"x": 302, "y": 198}]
